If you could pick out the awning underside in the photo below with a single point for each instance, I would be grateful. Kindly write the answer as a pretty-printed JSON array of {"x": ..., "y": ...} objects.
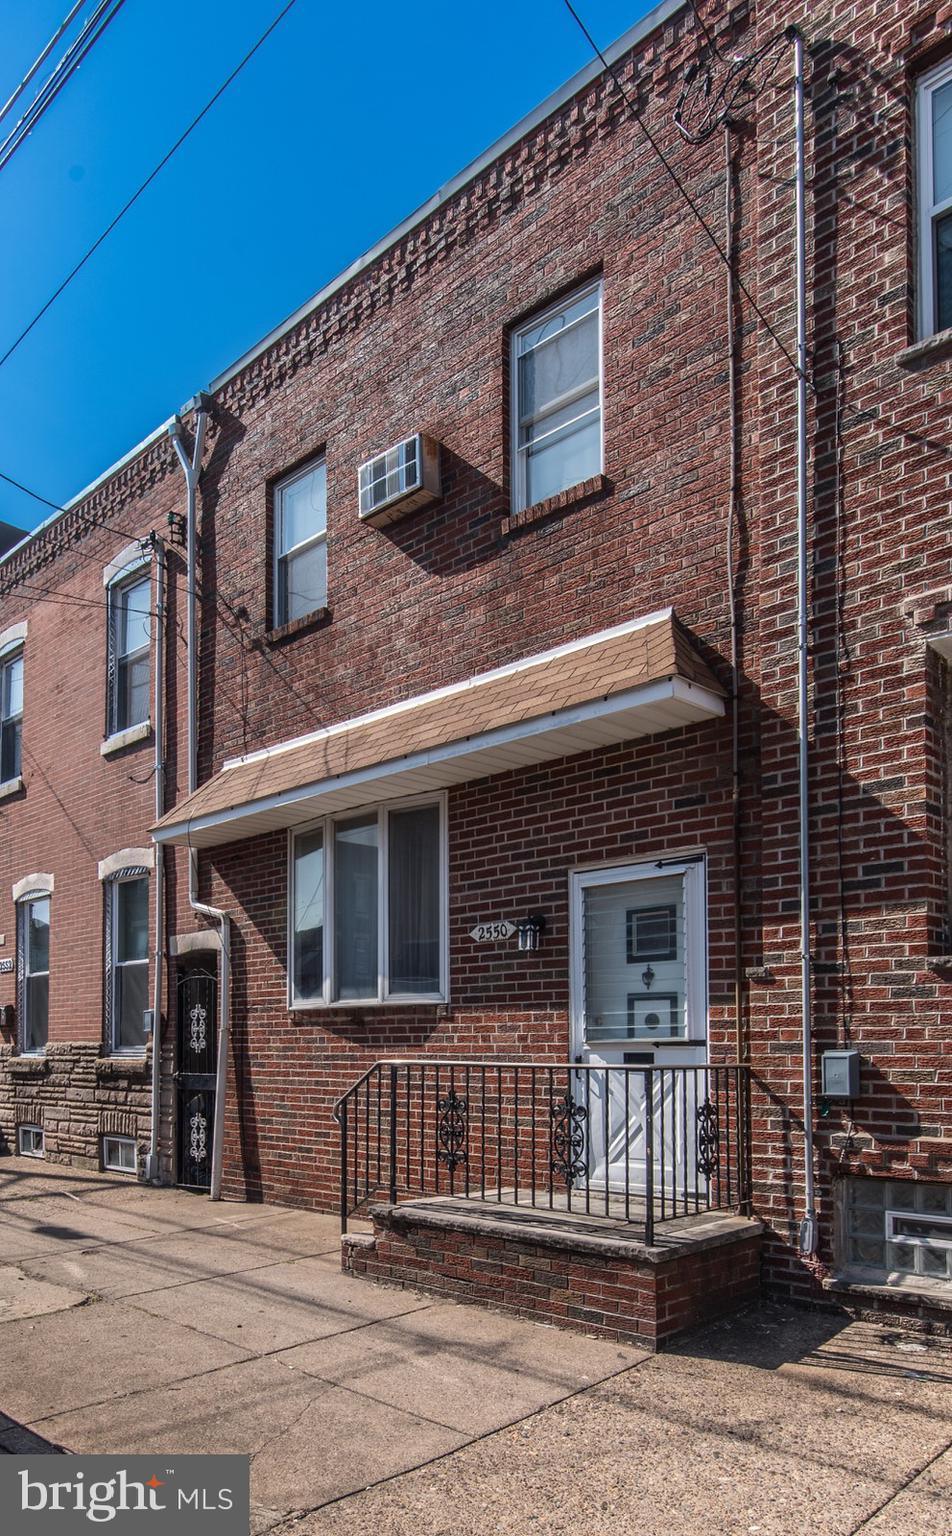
[{"x": 637, "y": 680}]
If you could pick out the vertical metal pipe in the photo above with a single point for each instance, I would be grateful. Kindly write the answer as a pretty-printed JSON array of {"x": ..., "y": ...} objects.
[
  {"x": 649, "y": 1157},
  {"x": 808, "y": 1233},
  {"x": 158, "y": 774},
  {"x": 393, "y": 1134},
  {"x": 343, "y": 1165}
]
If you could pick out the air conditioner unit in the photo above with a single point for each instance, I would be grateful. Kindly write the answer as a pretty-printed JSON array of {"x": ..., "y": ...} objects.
[{"x": 399, "y": 481}]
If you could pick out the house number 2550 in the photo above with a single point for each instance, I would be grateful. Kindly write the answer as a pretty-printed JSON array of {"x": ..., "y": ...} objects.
[{"x": 491, "y": 933}]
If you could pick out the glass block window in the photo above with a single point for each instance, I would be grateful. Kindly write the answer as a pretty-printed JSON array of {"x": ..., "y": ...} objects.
[{"x": 898, "y": 1232}]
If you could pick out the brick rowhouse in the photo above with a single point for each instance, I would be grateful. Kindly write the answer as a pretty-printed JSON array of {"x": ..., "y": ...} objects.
[{"x": 418, "y": 340}]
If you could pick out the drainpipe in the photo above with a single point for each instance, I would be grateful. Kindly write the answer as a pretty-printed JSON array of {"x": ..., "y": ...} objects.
[
  {"x": 192, "y": 467},
  {"x": 808, "y": 1226},
  {"x": 158, "y": 774}
]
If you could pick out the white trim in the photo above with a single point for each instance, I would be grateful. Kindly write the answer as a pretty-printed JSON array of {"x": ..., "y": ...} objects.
[
  {"x": 384, "y": 998},
  {"x": 33, "y": 885},
  {"x": 510, "y": 669},
  {"x": 126, "y": 858},
  {"x": 11, "y": 787},
  {"x": 34, "y": 1130},
  {"x": 127, "y": 561},
  {"x": 13, "y": 637},
  {"x": 126, "y": 738},
  {"x": 279, "y": 555},
  {"x": 709, "y": 705},
  {"x": 915, "y": 1240},
  {"x": 695, "y": 944},
  {"x": 928, "y": 211},
  {"x": 518, "y": 452},
  {"x": 126, "y": 1141}
]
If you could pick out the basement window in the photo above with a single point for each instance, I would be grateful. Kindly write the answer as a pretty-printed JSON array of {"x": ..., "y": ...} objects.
[
  {"x": 368, "y": 907},
  {"x": 31, "y": 1141},
  {"x": 898, "y": 1233},
  {"x": 119, "y": 1154}
]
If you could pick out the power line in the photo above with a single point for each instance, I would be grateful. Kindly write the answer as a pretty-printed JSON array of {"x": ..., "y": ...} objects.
[
  {"x": 40, "y": 60},
  {"x": 148, "y": 181},
  {"x": 672, "y": 173},
  {"x": 91, "y": 32}
]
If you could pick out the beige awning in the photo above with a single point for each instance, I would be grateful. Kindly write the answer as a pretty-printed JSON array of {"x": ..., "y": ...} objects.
[{"x": 634, "y": 680}]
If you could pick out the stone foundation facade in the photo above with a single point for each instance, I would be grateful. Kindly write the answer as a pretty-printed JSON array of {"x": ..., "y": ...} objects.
[{"x": 76, "y": 1096}]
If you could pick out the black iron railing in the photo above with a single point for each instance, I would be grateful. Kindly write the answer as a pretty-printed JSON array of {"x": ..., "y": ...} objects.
[{"x": 636, "y": 1144}]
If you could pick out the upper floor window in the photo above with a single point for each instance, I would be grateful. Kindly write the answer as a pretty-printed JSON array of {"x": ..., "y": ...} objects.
[
  {"x": 368, "y": 905},
  {"x": 33, "y": 972},
  {"x": 129, "y": 635},
  {"x": 11, "y": 715},
  {"x": 300, "y": 543},
  {"x": 127, "y": 962},
  {"x": 934, "y": 131},
  {"x": 556, "y": 381}
]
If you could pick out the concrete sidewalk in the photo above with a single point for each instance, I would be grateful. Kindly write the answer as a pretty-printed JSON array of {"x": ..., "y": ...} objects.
[{"x": 135, "y": 1320}]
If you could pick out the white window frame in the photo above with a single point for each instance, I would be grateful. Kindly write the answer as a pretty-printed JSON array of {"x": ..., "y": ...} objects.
[
  {"x": 928, "y": 211},
  {"x": 109, "y": 1162},
  {"x": 280, "y": 555},
  {"x": 112, "y": 884},
  {"x": 517, "y": 453},
  {"x": 128, "y": 576},
  {"x": 694, "y": 871},
  {"x": 8, "y": 655},
  {"x": 910, "y": 1239},
  {"x": 383, "y": 998},
  {"x": 23, "y": 904},
  {"x": 33, "y": 1130}
]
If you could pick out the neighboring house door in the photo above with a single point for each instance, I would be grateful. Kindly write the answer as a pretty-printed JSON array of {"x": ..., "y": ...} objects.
[
  {"x": 195, "y": 1076},
  {"x": 639, "y": 1000}
]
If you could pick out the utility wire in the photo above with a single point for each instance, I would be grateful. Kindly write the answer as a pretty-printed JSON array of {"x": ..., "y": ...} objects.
[
  {"x": 672, "y": 173},
  {"x": 40, "y": 60},
  {"x": 68, "y": 64},
  {"x": 148, "y": 182}
]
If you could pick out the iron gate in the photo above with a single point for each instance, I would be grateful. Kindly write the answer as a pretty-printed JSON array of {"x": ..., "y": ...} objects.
[{"x": 196, "y": 1045}]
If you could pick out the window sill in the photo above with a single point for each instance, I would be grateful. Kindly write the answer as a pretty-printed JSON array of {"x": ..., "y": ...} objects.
[
  {"x": 935, "y": 1293},
  {"x": 10, "y": 787},
  {"x": 127, "y": 738},
  {"x": 367, "y": 1005},
  {"x": 122, "y": 1066},
  {"x": 299, "y": 626},
  {"x": 572, "y": 496},
  {"x": 932, "y": 349}
]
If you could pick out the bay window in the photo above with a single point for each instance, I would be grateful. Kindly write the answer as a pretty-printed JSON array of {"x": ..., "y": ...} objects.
[{"x": 367, "y": 903}]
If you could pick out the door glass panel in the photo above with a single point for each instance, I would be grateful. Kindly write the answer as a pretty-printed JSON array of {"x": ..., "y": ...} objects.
[
  {"x": 37, "y": 1012},
  {"x": 414, "y": 882},
  {"x": 38, "y": 937},
  {"x": 943, "y": 271},
  {"x": 634, "y": 960},
  {"x": 132, "y": 987},
  {"x": 309, "y": 915},
  {"x": 355, "y": 907}
]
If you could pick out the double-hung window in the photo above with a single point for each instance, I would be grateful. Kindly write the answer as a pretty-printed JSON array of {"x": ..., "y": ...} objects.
[
  {"x": 11, "y": 715},
  {"x": 127, "y": 962},
  {"x": 556, "y": 383},
  {"x": 129, "y": 636},
  {"x": 300, "y": 543},
  {"x": 33, "y": 945},
  {"x": 934, "y": 134},
  {"x": 368, "y": 907}
]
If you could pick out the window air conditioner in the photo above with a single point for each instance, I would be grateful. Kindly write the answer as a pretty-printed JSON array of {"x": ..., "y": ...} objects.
[{"x": 400, "y": 480}]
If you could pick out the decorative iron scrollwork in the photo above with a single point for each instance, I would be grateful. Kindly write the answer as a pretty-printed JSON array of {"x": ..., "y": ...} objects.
[
  {"x": 568, "y": 1139},
  {"x": 708, "y": 1140},
  {"x": 198, "y": 1140},
  {"x": 197, "y": 1035},
  {"x": 452, "y": 1130}
]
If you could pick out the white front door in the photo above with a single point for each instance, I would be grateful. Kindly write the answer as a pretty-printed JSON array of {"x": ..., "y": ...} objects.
[{"x": 639, "y": 1000}]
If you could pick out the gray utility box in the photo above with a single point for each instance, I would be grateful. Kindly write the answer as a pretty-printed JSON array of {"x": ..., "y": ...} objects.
[{"x": 840, "y": 1074}]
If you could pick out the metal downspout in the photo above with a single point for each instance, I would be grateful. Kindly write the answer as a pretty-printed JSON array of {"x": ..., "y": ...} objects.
[
  {"x": 192, "y": 467},
  {"x": 808, "y": 1226},
  {"x": 152, "y": 1169}
]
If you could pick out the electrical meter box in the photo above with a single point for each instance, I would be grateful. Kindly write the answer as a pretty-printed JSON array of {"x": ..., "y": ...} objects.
[{"x": 840, "y": 1074}]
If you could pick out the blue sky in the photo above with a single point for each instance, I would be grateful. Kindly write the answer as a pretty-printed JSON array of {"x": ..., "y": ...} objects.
[{"x": 347, "y": 119}]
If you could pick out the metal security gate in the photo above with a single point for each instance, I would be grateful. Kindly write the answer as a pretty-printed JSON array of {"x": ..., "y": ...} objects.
[{"x": 195, "y": 1076}]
